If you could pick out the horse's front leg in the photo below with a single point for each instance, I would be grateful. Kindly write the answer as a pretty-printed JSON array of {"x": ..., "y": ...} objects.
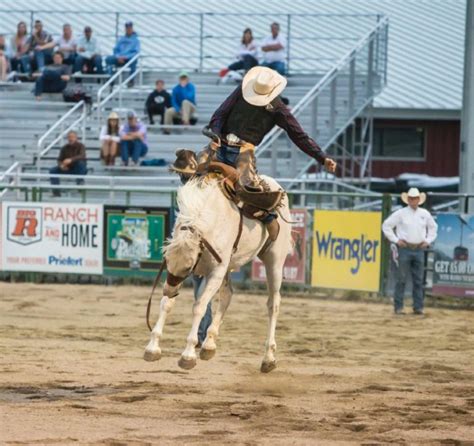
[
  {"x": 274, "y": 279},
  {"x": 209, "y": 346},
  {"x": 213, "y": 283},
  {"x": 153, "y": 350}
]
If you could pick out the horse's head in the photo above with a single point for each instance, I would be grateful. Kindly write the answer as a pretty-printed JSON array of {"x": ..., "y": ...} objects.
[{"x": 182, "y": 254}]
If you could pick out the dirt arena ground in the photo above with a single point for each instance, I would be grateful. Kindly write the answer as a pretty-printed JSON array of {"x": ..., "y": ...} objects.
[{"x": 71, "y": 372}]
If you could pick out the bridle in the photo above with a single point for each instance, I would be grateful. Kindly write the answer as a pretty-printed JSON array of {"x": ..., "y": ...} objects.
[{"x": 173, "y": 280}]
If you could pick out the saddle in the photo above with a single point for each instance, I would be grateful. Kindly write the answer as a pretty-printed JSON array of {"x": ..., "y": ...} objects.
[{"x": 253, "y": 204}]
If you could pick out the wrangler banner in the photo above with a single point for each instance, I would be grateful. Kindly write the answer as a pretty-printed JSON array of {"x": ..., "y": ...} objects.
[
  {"x": 454, "y": 255},
  {"x": 133, "y": 239},
  {"x": 294, "y": 267},
  {"x": 51, "y": 238},
  {"x": 346, "y": 250}
]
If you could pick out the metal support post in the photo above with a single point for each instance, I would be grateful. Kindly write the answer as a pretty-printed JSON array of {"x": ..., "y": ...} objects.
[{"x": 201, "y": 42}]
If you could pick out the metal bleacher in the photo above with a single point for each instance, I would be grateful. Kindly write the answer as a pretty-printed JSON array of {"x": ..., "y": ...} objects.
[{"x": 326, "y": 103}]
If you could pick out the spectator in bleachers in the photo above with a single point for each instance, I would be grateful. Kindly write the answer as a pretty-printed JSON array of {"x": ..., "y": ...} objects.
[
  {"x": 110, "y": 139},
  {"x": 18, "y": 46},
  {"x": 39, "y": 49},
  {"x": 67, "y": 45},
  {"x": 4, "y": 60},
  {"x": 246, "y": 54},
  {"x": 157, "y": 102},
  {"x": 127, "y": 47},
  {"x": 71, "y": 161},
  {"x": 183, "y": 101},
  {"x": 273, "y": 48},
  {"x": 88, "y": 58},
  {"x": 133, "y": 139},
  {"x": 54, "y": 77}
]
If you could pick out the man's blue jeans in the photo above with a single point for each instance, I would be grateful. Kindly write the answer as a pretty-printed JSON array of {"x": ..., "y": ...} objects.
[
  {"x": 199, "y": 284},
  {"x": 41, "y": 58},
  {"x": 277, "y": 66},
  {"x": 93, "y": 62},
  {"x": 49, "y": 82},
  {"x": 410, "y": 261},
  {"x": 112, "y": 61},
  {"x": 76, "y": 168},
  {"x": 134, "y": 149}
]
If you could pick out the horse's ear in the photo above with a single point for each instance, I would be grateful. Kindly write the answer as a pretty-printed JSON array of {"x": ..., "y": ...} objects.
[{"x": 179, "y": 152}]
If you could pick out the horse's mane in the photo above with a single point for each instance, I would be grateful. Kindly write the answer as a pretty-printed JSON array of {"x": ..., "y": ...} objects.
[{"x": 194, "y": 199}]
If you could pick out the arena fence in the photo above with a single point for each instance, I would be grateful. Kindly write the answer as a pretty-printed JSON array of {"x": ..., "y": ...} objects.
[{"x": 337, "y": 238}]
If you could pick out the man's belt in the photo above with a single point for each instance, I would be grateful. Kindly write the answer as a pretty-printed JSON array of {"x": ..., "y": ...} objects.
[
  {"x": 413, "y": 245},
  {"x": 234, "y": 141}
]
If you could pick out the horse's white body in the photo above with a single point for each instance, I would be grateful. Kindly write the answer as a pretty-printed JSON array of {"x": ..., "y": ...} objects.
[{"x": 204, "y": 208}]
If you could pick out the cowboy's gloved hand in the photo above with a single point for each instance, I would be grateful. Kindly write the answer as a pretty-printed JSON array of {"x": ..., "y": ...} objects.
[
  {"x": 330, "y": 165},
  {"x": 213, "y": 146}
]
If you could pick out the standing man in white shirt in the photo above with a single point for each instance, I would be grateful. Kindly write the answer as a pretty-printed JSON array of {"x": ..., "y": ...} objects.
[
  {"x": 412, "y": 229},
  {"x": 274, "y": 52}
]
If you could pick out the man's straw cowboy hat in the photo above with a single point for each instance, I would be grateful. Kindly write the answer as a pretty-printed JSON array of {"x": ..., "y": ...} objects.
[
  {"x": 261, "y": 85},
  {"x": 413, "y": 193}
]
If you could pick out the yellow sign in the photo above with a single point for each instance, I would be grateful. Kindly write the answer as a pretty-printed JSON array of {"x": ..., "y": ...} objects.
[{"x": 346, "y": 250}]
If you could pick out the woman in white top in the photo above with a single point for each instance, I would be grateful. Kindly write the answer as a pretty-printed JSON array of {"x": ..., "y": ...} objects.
[
  {"x": 109, "y": 136},
  {"x": 19, "y": 46},
  {"x": 246, "y": 54}
]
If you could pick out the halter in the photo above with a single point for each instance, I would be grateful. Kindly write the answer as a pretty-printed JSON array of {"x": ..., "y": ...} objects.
[{"x": 203, "y": 244}]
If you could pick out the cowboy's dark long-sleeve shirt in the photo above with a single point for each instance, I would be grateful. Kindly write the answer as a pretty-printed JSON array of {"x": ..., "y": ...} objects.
[{"x": 262, "y": 121}]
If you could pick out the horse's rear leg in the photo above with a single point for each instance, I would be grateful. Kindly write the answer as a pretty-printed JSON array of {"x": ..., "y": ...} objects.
[
  {"x": 209, "y": 346},
  {"x": 213, "y": 283},
  {"x": 274, "y": 270},
  {"x": 153, "y": 350}
]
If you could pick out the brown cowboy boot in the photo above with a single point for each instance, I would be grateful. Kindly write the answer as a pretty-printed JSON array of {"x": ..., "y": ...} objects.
[{"x": 248, "y": 178}]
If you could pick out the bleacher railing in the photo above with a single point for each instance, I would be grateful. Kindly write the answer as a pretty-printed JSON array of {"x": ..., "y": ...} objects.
[
  {"x": 121, "y": 81},
  {"x": 365, "y": 63},
  {"x": 208, "y": 41},
  {"x": 74, "y": 119}
]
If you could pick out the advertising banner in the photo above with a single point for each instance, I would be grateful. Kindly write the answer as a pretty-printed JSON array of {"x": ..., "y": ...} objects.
[
  {"x": 346, "y": 250},
  {"x": 294, "y": 268},
  {"x": 454, "y": 255},
  {"x": 134, "y": 237},
  {"x": 51, "y": 238}
]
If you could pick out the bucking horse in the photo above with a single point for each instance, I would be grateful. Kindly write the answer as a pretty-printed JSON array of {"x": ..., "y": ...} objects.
[{"x": 213, "y": 236}]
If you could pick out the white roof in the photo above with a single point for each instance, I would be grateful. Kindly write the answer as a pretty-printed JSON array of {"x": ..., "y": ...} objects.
[{"x": 426, "y": 37}]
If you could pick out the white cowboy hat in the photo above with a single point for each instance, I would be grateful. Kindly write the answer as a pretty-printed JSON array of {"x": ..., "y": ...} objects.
[
  {"x": 413, "y": 192},
  {"x": 113, "y": 115},
  {"x": 261, "y": 85}
]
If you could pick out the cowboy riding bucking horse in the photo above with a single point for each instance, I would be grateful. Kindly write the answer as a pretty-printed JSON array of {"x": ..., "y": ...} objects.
[{"x": 237, "y": 127}]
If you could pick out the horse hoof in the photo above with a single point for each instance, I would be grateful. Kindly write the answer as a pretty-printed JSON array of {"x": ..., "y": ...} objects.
[
  {"x": 205, "y": 355},
  {"x": 151, "y": 356},
  {"x": 268, "y": 366},
  {"x": 187, "y": 364}
]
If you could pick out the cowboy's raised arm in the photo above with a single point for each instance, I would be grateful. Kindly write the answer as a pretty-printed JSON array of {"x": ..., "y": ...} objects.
[
  {"x": 286, "y": 120},
  {"x": 220, "y": 115}
]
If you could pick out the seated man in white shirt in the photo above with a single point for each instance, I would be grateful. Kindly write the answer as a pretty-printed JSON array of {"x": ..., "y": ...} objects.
[
  {"x": 67, "y": 45},
  {"x": 273, "y": 48},
  {"x": 412, "y": 229}
]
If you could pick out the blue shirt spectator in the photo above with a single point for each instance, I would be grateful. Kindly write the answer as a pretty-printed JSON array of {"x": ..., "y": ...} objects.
[
  {"x": 127, "y": 47},
  {"x": 183, "y": 101},
  {"x": 133, "y": 139}
]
